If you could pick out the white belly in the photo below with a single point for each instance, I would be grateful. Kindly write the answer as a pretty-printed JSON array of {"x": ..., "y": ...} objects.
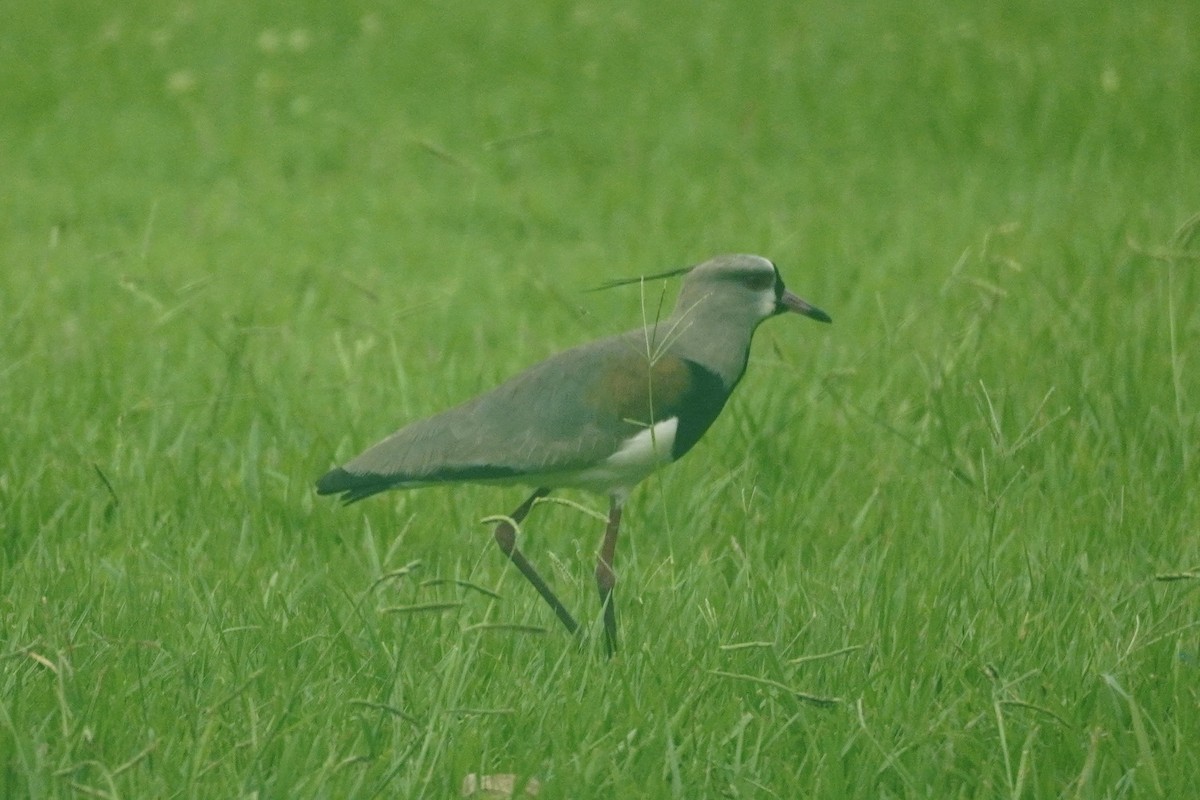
[{"x": 639, "y": 456}]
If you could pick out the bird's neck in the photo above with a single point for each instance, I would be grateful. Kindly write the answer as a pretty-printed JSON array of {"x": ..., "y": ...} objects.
[{"x": 719, "y": 343}]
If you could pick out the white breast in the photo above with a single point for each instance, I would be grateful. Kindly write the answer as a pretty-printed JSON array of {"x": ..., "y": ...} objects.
[
  {"x": 640, "y": 455},
  {"x": 648, "y": 449}
]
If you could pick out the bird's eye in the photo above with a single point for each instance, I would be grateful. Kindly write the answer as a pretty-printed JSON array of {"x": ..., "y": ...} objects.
[{"x": 758, "y": 281}]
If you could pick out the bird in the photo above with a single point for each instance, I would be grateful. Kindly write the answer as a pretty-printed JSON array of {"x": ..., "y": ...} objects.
[{"x": 599, "y": 417}]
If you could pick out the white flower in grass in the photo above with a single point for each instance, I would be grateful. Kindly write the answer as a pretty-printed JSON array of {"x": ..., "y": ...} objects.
[
  {"x": 370, "y": 24},
  {"x": 269, "y": 41},
  {"x": 299, "y": 40},
  {"x": 300, "y": 105},
  {"x": 181, "y": 81},
  {"x": 1110, "y": 81}
]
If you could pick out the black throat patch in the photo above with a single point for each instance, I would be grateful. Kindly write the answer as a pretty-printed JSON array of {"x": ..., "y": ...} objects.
[{"x": 697, "y": 407}]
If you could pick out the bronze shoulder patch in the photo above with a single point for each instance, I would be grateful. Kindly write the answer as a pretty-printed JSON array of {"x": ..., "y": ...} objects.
[{"x": 643, "y": 393}]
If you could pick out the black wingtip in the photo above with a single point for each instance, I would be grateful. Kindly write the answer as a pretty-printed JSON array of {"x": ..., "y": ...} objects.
[
  {"x": 354, "y": 486},
  {"x": 351, "y": 486},
  {"x": 334, "y": 481}
]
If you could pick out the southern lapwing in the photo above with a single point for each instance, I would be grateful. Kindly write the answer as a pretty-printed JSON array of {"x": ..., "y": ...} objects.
[{"x": 600, "y": 416}]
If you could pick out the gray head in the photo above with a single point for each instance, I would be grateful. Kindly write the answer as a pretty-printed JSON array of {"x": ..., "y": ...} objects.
[
  {"x": 721, "y": 303},
  {"x": 743, "y": 289}
]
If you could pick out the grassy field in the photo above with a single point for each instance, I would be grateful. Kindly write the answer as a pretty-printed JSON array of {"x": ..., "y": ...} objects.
[{"x": 948, "y": 546}]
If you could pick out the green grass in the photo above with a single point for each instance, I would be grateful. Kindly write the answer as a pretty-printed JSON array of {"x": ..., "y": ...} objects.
[{"x": 241, "y": 244}]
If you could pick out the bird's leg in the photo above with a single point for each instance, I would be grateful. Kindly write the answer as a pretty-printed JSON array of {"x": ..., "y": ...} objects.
[
  {"x": 506, "y": 537},
  {"x": 606, "y": 579}
]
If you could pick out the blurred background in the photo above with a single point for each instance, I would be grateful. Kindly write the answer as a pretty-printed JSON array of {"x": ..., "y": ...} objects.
[{"x": 240, "y": 242}]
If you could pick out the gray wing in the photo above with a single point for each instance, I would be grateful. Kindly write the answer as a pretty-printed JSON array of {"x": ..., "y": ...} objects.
[{"x": 560, "y": 415}]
